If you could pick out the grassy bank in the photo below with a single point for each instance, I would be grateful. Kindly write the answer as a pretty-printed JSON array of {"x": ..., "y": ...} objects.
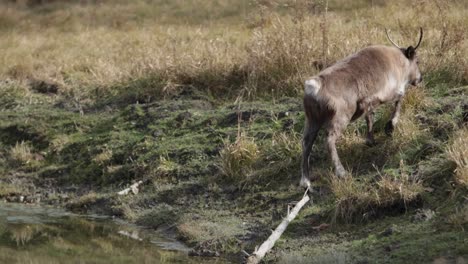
[{"x": 202, "y": 101}]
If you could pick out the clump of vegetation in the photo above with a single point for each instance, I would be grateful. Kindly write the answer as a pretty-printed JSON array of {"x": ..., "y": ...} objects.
[
  {"x": 93, "y": 201},
  {"x": 128, "y": 212},
  {"x": 11, "y": 94},
  {"x": 360, "y": 198},
  {"x": 89, "y": 198},
  {"x": 459, "y": 218},
  {"x": 285, "y": 146},
  {"x": 397, "y": 188},
  {"x": 58, "y": 143},
  {"x": 166, "y": 167},
  {"x": 458, "y": 153},
  {"x": 237, "y": 158},
  {"x": 103, "y": 157},
  {"x": 21, "y": 153},
  {"x": 279, "y": 159},
  {"x": 7, "y": 189},
  {"x": 416, "y": 98}
]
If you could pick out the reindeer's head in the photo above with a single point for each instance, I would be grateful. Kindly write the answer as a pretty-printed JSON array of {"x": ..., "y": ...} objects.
[{"x": 414, "y": 75}]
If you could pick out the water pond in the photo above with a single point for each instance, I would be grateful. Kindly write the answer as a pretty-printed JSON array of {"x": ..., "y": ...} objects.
[{"x": 40, "y": 234}]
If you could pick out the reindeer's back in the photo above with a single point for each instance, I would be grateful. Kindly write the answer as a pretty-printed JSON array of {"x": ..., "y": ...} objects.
[{"x": 361, "y": 73}]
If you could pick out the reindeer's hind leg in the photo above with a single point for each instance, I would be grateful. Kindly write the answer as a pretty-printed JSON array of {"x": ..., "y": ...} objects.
[
  {"x": 334, "y": 130},
  {"x": 311, "y": 130}
]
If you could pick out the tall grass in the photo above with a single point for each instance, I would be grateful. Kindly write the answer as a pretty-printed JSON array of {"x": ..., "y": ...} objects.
[
  {"x": 458, "y": 153},
  {"x": 359, "y": 199},
  {"x": 95, "y": 51},
  {"x": 237, "y": 158},
  {"x": 21, "y": 153}
]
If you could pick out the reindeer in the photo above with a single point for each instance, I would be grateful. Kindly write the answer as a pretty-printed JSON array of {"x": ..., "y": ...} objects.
[{"x": 352, "y": 87}]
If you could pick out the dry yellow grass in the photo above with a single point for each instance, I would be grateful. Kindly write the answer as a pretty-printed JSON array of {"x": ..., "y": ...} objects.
[
  {"x": 166, "y": 168},
  {"x": 237, "y": 158},
  {"x": 458, "y": 153},
  {"x": 285, "y": 146},
  {"x": 59, "y": 142},
  {"x": 21, "y": 153},
  {"x": 266, "y": 48},
  {"x": 356, "y": 198},
  {"x": 9, "y": 189},
  {"x": 12, "y": 93},
  {"x": 460, "y": 217},
  {"x": 416, "y": 98}
]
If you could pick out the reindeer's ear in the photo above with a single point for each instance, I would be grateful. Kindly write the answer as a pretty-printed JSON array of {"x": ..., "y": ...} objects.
[{"x": 410, "y": 52}]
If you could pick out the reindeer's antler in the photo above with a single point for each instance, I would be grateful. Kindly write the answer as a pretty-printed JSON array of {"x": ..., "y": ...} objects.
[
  {"x": 386, "y": 32},
  {"x": 420, "y": 37}
]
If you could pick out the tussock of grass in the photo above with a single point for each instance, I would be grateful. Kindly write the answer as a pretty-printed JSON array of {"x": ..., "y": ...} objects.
[
  {"x": 58, "y": 143},
  {"x": 285, "y": 146},
  {"x": 129, "y": 212},
  {"x": 104, "y": 157},
  {"x": 21, "y": 153},
  {"x": 8, "y": 189},
  {"x": 12, "y": 94},
  {"x": 278, "y": 160},
  {"x": 237, "y": 158},
  {"x": 458, "y": 153},
  {"x": 96, "y": 202},
  {"x": 166, "y": 169},
  {"x": 409, "y": 142},
  {"x": 86, "y": 199},
  {"x": 416, "y": 98},
  {"x": 392, "y": 188},
  {"x": 459, "y": 218},
  {"x": 359, "y": 198},
  {"x": 408, "y": 129}
]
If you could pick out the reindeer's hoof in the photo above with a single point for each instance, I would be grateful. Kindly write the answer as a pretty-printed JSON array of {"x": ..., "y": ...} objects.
[
  {"x": 370, "y": 142},
  {"x": 389, "y": 128},
  {"x": 340, "y": 172},
  {"x": 304, "y": 182}
]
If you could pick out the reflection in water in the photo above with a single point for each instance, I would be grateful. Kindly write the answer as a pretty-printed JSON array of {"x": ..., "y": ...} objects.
[
  {"x": 21, "y": 234},
  {"x": 32, "y": 234}
]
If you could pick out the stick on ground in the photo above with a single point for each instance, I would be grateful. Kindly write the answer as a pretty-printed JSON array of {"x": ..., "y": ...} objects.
[
  {"x": 133, "y": 188},
  {"x": 260, "y": 252}
]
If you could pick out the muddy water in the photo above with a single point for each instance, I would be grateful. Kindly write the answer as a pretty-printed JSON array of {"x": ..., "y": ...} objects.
[{"x": 38, "y": 234}]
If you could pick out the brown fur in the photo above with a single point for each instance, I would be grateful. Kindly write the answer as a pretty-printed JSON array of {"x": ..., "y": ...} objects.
[{"x": 357, "y": 79}]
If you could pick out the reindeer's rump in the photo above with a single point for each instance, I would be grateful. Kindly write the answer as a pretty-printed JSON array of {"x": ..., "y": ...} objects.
[{"x": 318, "y": 110}]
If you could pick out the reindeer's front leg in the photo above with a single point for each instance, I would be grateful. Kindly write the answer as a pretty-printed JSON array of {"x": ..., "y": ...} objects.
[
  {"x": 390, "y": 126},
  {"x": 370, "y": 132}
]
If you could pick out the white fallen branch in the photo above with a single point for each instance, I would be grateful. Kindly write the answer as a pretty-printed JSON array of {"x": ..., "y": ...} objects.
[
  {"x": 133, "y": 188},
  {"x": 260, "y": 252},
  {"x": 132, "y": 235}
]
